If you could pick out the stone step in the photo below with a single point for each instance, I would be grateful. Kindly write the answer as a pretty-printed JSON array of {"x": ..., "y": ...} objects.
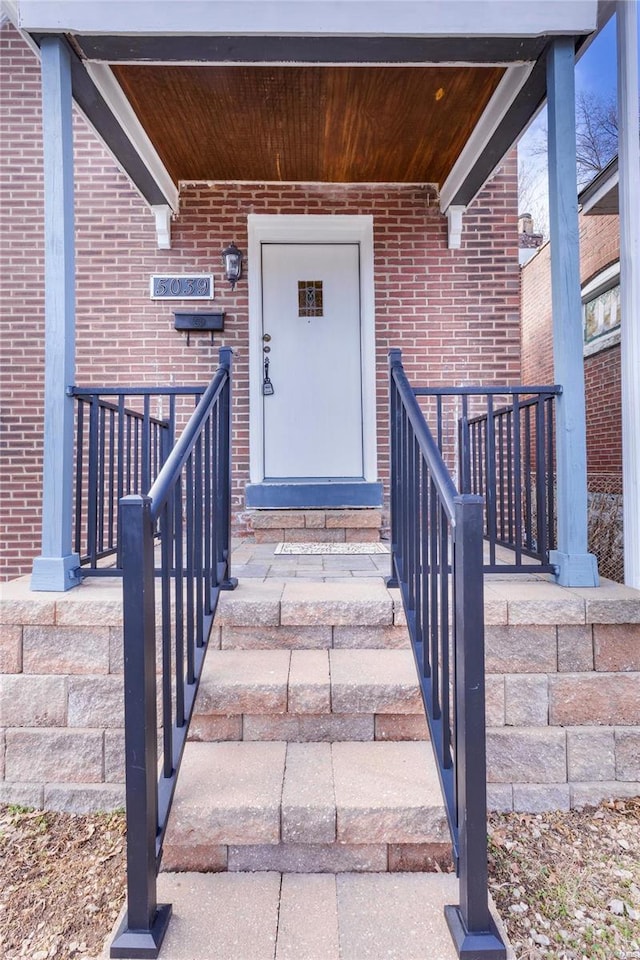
[
  {"x": 319, "y": 526},
  {"x": 306, "y": 808},
  {"x": 362, "y": 602},
  {"x": 304, "y": 695}
]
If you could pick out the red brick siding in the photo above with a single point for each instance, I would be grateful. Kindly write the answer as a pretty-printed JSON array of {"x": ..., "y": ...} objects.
[
  {"x": 604, "y": 412},
  {"x": 599, "y": 247},
  {"x": 454, "y": 313}
]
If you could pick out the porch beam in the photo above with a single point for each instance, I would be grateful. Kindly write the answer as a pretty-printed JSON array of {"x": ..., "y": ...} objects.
[
  {"x": 54, "y": 569},
  {"x": 629, "y": 192},
  {"x": 575, "y": 566},
  {"x": 381, "y": 50},
  {"x": 506, "y": 18},
  {"x": 512, "y": 82}
]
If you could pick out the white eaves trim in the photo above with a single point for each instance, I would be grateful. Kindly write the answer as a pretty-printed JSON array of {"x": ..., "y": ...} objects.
[
  {"x": 505, "y": 93},
  {"x": 114, "y": 96},
  {"x": 601, "y": 192},
  {"x": 429, "y": 18}
]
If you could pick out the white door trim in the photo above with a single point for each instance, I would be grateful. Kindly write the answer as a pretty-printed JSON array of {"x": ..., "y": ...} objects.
[{"x": 312, "y": 228}]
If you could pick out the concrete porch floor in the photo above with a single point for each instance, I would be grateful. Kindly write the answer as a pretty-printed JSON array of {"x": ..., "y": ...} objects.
[{"x": 259, "y": 561}]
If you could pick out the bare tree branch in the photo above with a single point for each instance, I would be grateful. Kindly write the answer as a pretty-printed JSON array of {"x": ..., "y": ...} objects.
[{"x": 596, "y": 135}]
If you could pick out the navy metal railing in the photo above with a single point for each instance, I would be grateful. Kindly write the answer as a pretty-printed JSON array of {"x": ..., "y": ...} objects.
[
  {"x": 505, "y": 453},
  {"x": 119, "y": 450},
  {"x": 437, "y": 560},
  {"x": 190, "y": 504}
]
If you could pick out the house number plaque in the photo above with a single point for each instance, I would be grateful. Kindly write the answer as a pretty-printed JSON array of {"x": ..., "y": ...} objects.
[{"x": 193, "y": 286}]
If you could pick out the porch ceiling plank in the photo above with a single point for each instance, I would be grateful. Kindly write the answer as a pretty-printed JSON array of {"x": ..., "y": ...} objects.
[{"x": 293, "y": 123}]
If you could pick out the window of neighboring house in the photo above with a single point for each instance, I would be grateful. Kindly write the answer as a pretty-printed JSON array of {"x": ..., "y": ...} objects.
[{"x": 601, "y": 310}]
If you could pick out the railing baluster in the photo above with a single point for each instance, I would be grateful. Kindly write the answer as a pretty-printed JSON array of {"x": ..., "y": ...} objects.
[
  {"x": 491, "y": 482},
  {"x": 527, "y": 474},
  {"x": 198, "y": 536},
  {"x": 501, "y": 474},
  {"x": 207, "y": 520},
  {"x": 550, "y": 474},
  {"x": 190, "y": 569},
  {"x": 517, "y": 466},
  {"x": 92, "y": 484},
  {"x": 444, "y": 634},
  {"x": 510, "y": 467},
  {"x": 433, "y": 600},
  {"x": 79, "y": 475},
  {"x": 166, "y": 550},
  {"x": 541, "y": 472},
  {"x": 179, "y": 595},
  {"x": 101, "y": 480},
  {"x": 464, "y": 451},
  {"x": 392, "y": 580},
  {"x": 425, "y": 579},
  {"x": 112, "y": 480}
]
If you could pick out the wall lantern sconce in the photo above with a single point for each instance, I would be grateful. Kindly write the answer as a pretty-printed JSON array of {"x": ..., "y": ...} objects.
[{"x": 232, "y": 259}]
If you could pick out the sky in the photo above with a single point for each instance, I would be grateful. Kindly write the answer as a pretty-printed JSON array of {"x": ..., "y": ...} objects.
[{"x": 595, "y": 73}]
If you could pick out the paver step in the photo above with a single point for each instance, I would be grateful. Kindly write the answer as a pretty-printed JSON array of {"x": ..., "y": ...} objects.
[
  {"x": 311, "y": 637},
  {"x": 266, "y": 916},
  {"x": 321, "y": 695},
  {"x": 306, "y": 808},
  {"x": 302, "y": 603}
]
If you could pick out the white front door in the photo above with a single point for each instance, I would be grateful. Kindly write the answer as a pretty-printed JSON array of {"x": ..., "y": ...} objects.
[{"x": 311, "y": 325}]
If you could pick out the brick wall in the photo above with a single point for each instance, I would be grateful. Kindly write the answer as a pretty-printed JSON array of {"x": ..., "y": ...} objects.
[{"x": 454, "y": 313}]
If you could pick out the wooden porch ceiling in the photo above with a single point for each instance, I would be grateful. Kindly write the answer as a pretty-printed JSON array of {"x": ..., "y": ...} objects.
[{"x": 308, "y": 123}]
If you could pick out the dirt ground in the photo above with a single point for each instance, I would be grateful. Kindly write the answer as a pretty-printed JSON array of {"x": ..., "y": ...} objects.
[
  {"x": 567, "y": 884},
  {"x": 61, "y": 883}
]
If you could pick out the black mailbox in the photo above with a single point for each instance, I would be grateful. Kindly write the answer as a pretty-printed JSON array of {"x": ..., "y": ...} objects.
[{"x": 198, "y": 322}]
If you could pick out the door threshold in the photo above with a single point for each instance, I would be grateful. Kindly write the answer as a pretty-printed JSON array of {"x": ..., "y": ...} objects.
[{"x": 316, "y": 494}]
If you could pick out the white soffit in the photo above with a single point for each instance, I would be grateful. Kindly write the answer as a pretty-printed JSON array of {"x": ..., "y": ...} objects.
[
  {"x": 601, "y": 193},
  {"x": 506, "y": 92},
  {"x": 114, "y": 96},
  {"x": 432, "y": 18}
]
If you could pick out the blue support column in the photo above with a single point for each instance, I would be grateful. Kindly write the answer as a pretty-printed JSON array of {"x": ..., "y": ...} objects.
[
  {"x": 576, "y": 567},
  {"x": 629, "y": 190},
  {"x": 54, "y": 569}
]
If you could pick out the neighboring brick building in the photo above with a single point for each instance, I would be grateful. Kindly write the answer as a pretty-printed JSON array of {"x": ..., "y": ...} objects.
[
  {"x": 599, "y": 274},
  {"x": 455, "y": 313}
]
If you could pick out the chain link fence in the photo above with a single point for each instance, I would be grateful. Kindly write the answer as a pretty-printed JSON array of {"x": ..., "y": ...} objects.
[{"x": 605, "y": 524}]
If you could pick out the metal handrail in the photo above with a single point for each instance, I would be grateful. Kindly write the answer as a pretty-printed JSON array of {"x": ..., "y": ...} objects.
[
  {"x": 190, "y": 504},
  {"x": 506, "y": 454},
  {"x": 436, "y": 561},
  {"x": 119, "y": 450}
]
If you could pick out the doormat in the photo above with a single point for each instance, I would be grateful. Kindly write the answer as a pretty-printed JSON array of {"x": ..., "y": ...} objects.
[{"x": 309, "y": 549}]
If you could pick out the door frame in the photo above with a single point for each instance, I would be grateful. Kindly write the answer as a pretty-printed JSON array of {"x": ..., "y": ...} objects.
[{"x": 312, "y": 228}]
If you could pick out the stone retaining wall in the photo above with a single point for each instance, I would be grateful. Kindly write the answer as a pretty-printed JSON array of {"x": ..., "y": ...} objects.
[
  {"x": 563, "y": 698},
  {"x": 563, "y": 713}
]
